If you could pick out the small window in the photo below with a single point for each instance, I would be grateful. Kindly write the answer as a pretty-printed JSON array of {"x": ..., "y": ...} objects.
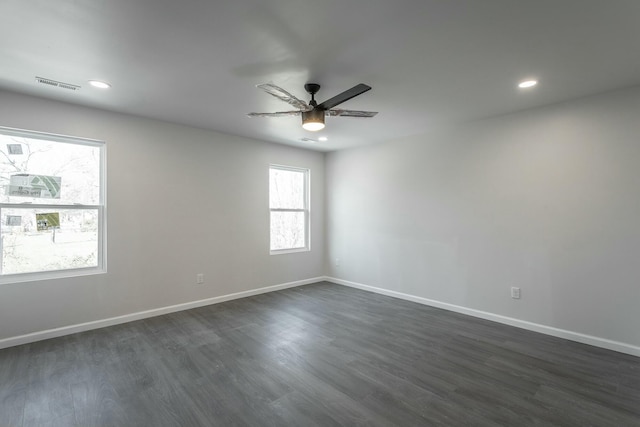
[
  {"x": 51, "y": 206},
  {"x": 289, "y": 209}
]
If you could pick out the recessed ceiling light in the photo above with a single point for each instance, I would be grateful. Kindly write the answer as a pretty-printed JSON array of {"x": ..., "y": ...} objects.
[
  {"x": 99, "y": 84},
  {"x": 527, "y": 84},
  {"x": 323, "y": 138}
]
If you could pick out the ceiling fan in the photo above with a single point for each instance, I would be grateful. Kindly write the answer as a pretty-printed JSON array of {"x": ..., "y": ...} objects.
[{"x": 313, "y": 114}]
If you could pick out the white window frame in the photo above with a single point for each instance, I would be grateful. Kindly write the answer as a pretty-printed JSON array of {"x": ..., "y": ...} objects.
[
  {"x": 101, "y": 208},
  {"x": 307, "y": 210}
]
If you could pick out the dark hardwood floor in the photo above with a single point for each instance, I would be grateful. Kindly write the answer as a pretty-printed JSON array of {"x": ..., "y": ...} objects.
[{"x": 322, "y": 355}]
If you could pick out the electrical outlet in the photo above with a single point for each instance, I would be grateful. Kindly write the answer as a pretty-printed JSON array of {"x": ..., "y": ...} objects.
[
  {"x": 515, "y": 293},
  {"x": 199, "y": 279},
  {"x": 337, "y": 262}
]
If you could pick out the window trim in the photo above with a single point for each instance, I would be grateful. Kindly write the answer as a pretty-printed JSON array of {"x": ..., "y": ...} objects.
[
  {"x": 307, "y": 210},
  {"x": 101, "y": 207}
]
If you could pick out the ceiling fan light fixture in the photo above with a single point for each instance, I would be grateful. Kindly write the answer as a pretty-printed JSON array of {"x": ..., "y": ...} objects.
[{"x": 313, "y": 120}]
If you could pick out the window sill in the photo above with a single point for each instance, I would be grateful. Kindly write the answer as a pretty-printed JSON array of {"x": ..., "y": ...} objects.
[
  {"x": 50, "y": 275},
  {"x": 289, "y": 251}
]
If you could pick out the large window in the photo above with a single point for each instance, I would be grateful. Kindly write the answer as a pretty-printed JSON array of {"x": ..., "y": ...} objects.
[
  {"x": 289, "y": 209},
  {"x": 51, "y": 205}
]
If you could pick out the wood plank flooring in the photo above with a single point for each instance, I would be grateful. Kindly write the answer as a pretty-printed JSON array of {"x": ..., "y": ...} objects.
[{"x": 317, "y": 355}]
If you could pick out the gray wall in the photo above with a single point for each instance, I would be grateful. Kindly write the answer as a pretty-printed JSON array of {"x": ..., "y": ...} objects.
[
  {"x": 180, "y": 201},
  {"x": 547, "y": 200}
]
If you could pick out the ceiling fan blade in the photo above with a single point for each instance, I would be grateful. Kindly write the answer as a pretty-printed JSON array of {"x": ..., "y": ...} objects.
[
  {"x": 285, "y": 96},
  {"x": 344, "y": 96},
  {"x": 276, "y": 114},
  {"x": 351, "y": 113}
]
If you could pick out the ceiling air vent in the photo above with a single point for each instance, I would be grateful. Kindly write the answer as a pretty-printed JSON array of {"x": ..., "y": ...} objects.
[{"x": 55, "y": 83}]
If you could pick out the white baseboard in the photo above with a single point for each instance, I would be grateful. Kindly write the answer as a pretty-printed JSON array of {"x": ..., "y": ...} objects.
[
  {"x": 96, "y": 324},
  {"x": 548, "y": 330}
]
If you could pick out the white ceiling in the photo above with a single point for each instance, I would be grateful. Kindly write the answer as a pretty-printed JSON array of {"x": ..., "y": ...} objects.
[{"x": 431, "y": 63}]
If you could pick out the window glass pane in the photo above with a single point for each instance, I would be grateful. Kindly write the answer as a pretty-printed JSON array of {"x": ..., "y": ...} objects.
[
  {"x": 48, "y": 172},
  {"x": 287, "y": 230},
  {"x": 286, "y": 189},
  {"x": 48, "y": 239}
]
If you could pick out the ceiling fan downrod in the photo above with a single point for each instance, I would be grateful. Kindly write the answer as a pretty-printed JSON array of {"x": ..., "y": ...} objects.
[{"x": 312, "y": 89}]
